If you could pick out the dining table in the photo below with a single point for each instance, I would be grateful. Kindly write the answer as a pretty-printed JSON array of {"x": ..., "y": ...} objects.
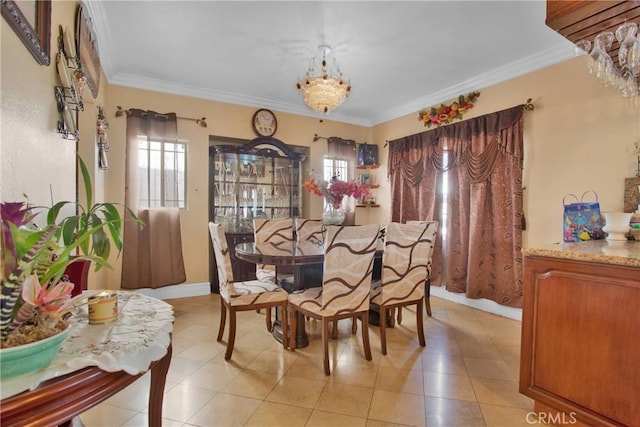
[{"x": 306, "y": 260}]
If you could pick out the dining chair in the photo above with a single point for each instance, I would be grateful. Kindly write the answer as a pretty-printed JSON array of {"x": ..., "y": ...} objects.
[
  {"x": 241, "y": 296},
  {"x": 427, "y": 284},
  {"x": 404, "y": 272},
  {"x": 346, "y": 284},
  {"x": 272, "y": 231},
  {"x": 311, "y": 230},
  {"x": 379, "y": 247}
]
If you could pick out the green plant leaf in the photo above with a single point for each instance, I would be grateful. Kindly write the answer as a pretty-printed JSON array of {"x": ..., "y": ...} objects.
[{"x": 86, "y": 179}]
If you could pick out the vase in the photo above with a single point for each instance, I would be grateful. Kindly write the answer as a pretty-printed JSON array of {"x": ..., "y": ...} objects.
[
  {"x": 333, "y": 214},
  {"x": 617, "y": 225},
  {"x": 29, "y": 358}
]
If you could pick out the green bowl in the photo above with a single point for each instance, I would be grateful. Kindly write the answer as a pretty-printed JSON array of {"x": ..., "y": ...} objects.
[{"x": 28, "y": 358}]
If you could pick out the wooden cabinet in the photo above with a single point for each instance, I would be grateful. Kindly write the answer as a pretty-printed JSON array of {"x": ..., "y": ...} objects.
[
  {"x": 258, "y": 179},
  {"x": 577, "y": 20},
  {"x": 580, "y": 351}
]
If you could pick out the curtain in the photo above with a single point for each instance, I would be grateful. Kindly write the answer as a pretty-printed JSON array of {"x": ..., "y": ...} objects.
[
  {"x": 468, "y": 176},
  {"x": 152, "y": 255},
  {"x": 345, "y": 149}
]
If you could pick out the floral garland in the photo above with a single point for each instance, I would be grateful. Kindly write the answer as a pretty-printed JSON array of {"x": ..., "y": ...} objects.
[{"x": 445, "y": 114}]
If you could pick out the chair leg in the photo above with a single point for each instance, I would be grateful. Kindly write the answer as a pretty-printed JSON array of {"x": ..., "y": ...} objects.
[
  {"x": 268, "y": 320},
  {"x": 427, "y": 294},
  {"x": 354, "y": 325},
  {"x": 365, "y": 336},
  {"x": 294, "y": 327},
  {"x": 399, "y": 316},
  {"x": 325, "y": 345},
  {"x": 334, "y": 330},
  {"x": 419, "y": 320},
  {"x": 285, "y": 330},
  {"x": 383, "y": 330},
  {"x": 232, "y": 333},
  {"x": 223, "y": 319}
]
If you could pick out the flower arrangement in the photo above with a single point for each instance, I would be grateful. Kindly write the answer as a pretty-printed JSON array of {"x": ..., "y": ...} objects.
[
  {"x": 33, "y": 288},
  {"x": 445, "y": 114},
  {"x": 335, "y": 190}
]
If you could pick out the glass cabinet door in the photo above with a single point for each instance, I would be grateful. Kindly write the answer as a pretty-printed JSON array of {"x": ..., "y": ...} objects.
[{"x": 255, "y": 182}]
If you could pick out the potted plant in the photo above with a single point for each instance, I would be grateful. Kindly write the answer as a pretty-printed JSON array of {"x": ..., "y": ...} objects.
[{"x": 34, "y": 260}]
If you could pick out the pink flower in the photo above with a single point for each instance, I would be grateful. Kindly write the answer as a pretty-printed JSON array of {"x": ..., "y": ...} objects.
[{"x": 43, "y": 298}]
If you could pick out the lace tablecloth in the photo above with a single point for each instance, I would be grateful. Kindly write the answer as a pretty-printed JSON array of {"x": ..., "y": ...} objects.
[{"x": 139, "y": 336}]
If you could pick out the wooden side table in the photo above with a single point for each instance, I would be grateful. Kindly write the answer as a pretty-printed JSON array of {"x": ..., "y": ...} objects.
[{"x": 58, "y": 400}]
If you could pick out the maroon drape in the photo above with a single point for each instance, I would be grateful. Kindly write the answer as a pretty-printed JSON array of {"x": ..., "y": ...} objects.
[{"x": 479, "y": 164}]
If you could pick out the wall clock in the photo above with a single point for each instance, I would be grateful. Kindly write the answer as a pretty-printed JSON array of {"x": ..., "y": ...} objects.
[{"x": 264, "y": 122}]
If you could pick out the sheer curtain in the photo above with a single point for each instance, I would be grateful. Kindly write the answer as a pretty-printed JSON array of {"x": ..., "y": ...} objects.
[
  {"x": 468, "y": 176},
  {"x": 151, "y": 256}
]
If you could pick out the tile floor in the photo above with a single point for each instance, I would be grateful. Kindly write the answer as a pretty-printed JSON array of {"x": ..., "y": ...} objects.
[{"x": 467, "y": 375}]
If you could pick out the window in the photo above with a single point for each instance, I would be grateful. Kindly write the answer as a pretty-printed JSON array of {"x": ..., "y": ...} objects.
[
  {"x": 162, "y": 168},
  {"x": 336, "y": 167}
]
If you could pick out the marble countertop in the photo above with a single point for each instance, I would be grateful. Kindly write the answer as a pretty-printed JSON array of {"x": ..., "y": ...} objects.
[{"x": 625, "y": 253}]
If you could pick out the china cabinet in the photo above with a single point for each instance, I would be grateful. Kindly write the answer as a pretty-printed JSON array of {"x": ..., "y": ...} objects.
[{"x": 258, "y": 179}]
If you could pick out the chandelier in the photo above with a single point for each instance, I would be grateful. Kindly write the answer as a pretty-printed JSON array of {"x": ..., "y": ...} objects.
[
  {"x": 621, "y": 72},
  {"x": 323, "y": 87}
]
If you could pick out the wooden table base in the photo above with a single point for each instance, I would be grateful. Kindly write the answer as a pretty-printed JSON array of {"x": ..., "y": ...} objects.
[{"x": 58, "y": 400}]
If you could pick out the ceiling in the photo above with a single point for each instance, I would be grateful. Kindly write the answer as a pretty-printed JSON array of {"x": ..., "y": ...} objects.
[{"x": 399, "y": 56}]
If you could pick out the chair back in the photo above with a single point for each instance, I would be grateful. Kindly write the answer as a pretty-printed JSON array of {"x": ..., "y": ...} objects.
[
  {"x": 381, "y": 236},
  {"x": 405, "y": 263},
  {"x": 311, "y": 230},
  {"x": 433, "y": 242},
  {"x": 348, "y": 265},
  {"x": 272, "y": 231},
  {"x": 223, "y": 259}
]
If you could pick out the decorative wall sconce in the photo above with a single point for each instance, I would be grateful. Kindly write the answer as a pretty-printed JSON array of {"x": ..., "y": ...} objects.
[
  {"x": 69, "y": 93},
  {"x": 103, "y": 141}
]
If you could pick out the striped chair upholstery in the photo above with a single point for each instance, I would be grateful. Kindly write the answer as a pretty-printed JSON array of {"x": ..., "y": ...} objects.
[
  {"x": 346, "y": 284},
  {"x": 310, "y": 230},
  {"x": 241, "y": 296},
  {"x": 274, "y": 231},
  {"x": 404, "y": 272},
  {"x": 427, "y": 290}
]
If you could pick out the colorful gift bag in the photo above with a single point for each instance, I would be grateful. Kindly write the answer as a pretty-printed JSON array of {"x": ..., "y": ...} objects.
[{"x": 582, "y": 220}]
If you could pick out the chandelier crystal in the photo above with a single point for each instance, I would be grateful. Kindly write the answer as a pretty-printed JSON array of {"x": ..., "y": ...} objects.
[{"x": 323, "y": 87}]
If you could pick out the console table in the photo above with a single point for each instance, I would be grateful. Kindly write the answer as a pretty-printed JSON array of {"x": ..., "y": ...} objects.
[{"x": 94, "y": 363}]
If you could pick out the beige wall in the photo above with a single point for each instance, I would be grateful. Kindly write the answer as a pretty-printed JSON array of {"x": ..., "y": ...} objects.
[
  {"x": 580, "y": 137},
  {"x": 223, "y": 120}
]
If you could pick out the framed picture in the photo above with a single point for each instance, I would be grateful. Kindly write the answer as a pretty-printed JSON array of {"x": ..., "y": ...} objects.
[
  {"x": 87, "y": 51},
  {"x": 365, "y": 179},
  {"x": 31, "y": 21}
]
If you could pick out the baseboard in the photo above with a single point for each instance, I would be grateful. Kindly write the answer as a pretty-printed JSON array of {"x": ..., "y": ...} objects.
[
  {"x": 185, "y": 290},
  {"x": 182, "y": 290},
  {"x": 480, "y": 304}
]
